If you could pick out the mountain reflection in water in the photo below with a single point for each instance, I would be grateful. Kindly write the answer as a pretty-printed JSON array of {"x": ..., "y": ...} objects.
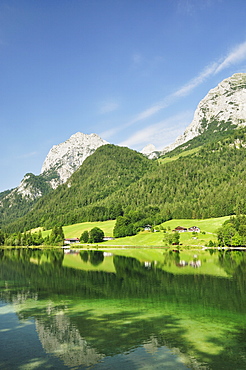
[{"x": 130, "y": 309}]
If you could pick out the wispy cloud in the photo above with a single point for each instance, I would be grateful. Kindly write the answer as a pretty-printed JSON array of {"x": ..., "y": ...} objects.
[
  {"x": 27, "y": 155},
  {"x": 196, "y": 81},
  {"x": 107, "y": 134},
  {"x": 160, "y": 133},
  {"x": 237, "y": 55},
  {"x": 137, "y": 58},
  {"x": 108, "y": 106},
  {"x": 191, "y": 7},
  {"x": 149, "y": 112}
]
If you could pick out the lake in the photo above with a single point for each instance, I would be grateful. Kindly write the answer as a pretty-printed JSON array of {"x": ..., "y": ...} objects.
[{"x": 122, "y": 309}]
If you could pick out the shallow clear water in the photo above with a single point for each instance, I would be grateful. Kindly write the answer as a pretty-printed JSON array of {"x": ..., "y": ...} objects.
[{"x": 129, "y": 309}]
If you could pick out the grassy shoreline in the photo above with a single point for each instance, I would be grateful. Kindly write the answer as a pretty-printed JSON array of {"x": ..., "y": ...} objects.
[{"x": 144, "y": 239}]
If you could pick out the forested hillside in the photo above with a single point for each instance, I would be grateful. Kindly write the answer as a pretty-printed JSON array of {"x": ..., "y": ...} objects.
[
  {"x": 117, "y": 181},
  {"x": 15, "y": 205},
  {"x": 106, "y": 171},
  {"x": 215, "y": 131},
  {"x": 210, "y": 183}
]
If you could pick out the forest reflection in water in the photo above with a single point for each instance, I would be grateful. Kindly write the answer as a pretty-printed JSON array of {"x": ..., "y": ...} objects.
[{"x": 125, "y": 309}]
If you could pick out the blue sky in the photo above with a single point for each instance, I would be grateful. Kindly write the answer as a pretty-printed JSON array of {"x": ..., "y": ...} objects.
[{"x": 132, "y": 71}]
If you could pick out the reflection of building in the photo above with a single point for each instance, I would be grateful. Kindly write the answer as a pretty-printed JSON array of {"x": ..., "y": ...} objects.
[
  {"x": 147, "y": 264},
  {"x": 194, "y": 264},
  {"x": 107, "y": 254}
]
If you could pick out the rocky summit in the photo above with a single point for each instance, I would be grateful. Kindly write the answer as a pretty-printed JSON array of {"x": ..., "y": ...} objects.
[
  {"x": 65, "y": 158},
  {"x": 62, "y": 160},
  {"x": 150, "y": 151},
  {"x": 224, "y": 107},
  {"x": 226, "y": 103}
]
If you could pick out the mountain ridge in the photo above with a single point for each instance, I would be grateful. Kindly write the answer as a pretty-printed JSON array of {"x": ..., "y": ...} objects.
[
  {"x": 217, "y": 116},
  {"x": 210, "y": 182},
  {"x": 67, "y": 157},
  {"x": 224, "y": 103}
]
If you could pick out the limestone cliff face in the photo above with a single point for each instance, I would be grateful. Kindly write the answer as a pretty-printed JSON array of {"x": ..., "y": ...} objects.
[
  {"x": 63, "y": 159},
  {"x": 226, "y": 103},
  {"x": 27, "y": 189},
  {"x": 150, "y": 151},
  {"x": 30, "y": 188}
]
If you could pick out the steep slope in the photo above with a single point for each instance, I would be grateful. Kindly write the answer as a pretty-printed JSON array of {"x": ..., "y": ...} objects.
[
  {"x": 150, "y": 151},
  {"x": 216, "y": 118},
  {"x": 18, "y": 201},
  {"x": 222, "y": 109},
  {"x": 63, "y": 159},
  {"x": 208, "y": 183},
  {"x": 106, "y": 171}
]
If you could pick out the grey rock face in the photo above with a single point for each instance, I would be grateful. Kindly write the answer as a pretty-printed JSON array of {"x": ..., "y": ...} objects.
[
  {"x": 225, "y": 103},
  {"x": 62, "y": 160},
  {"x": 66, "y": 157}
]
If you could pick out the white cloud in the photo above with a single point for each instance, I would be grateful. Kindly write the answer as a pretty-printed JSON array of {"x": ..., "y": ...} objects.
[
  {"x": 160, "y": 133},
  {"x": 106, "y": 135},
  {"x": 196, "y": 81},
  {"x": 238, "y": 54},
  {"x": 108, "y": 106},
  {"x": 137, "y": 58},
  {"x": 148, "y": 112},
  {"x": 27, "y": 155}
]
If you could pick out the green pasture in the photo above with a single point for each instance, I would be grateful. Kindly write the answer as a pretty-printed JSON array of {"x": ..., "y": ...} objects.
[
  {"x": 75, "y": 231},
  {"x": 151, "y": 239},
  {"x": 174, "y": 158},
  {"x": 209, "y": 225}
]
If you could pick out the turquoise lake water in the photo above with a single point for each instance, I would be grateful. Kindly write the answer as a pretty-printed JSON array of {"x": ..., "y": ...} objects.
[{"x": 122, "y": 309}]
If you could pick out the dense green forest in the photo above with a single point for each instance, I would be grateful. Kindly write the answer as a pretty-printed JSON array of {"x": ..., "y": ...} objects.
[
  {"x": 117, "y": 181},
  {"x": 109, "y": 169},
  {"x": 27, "y": 239},
  {"x": 214, "y": 131},
  {"x": 17, "y": 206},
  {"x": 233, "y": 232}
]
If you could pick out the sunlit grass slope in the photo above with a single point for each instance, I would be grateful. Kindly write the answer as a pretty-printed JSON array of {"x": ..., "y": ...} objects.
[
  {"x": 168, "y": 159},
  {"x": 208, "y": 232},
  {"x": 75, "y": 231},
  {"x": 209, "y": 225},
  {"x": 149, "y": 239}
]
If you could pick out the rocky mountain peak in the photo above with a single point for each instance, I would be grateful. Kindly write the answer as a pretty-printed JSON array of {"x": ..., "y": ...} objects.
[
  {"x": 226, "y": 103},
  {"x": 62, "y": 160},
  {"x": 150, "y": 151},
  {"x": 65, "y": 158}
]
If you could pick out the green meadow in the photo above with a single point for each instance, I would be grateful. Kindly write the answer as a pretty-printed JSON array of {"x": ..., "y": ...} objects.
[
  {"x": 168, "y": 159},
  {"x": 75, "y": 231},
  {"x": 208, "y": 229}
]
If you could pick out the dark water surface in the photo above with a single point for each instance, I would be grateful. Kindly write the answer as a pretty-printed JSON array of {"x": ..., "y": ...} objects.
[{"x": 127, "y": 309}]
